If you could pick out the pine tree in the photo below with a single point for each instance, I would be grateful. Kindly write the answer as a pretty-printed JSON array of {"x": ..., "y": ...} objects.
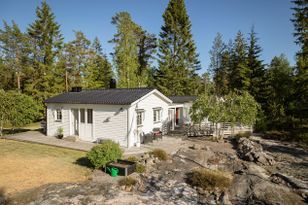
[
  {"x": 257, "y": 75},
  {"x": 216, "y": 53},
  {"x": 6, "y": 77},
  {"x": 178, "y": 60},
  {"x": 15, "y": 50},
  {"x": 300, "y": 22},
  {"x": 98, "y": 72},
  {"x": 125, "y": 54},
  {"x": 147, "y": 44},
  {"x": 76, "y": 54},
  {"x": 219, "y": 66},
  {"x": 240, "y": 72},
  {"x": 46, "y": 41}
]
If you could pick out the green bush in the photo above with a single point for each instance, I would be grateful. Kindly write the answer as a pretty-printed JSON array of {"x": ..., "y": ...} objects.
[
  {"x": 101, "y": 154},
  {"x": 127, "y": 181},
  {"x": 140, "y": 168},
  {"x": 209, "y": 179},
  {"x": 160, "y": 154}
]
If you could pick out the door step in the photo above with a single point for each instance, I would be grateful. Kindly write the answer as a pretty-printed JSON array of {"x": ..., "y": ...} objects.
[{"x": 72, "y": 138}]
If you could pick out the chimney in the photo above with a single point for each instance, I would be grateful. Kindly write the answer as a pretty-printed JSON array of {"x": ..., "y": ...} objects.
[
  {"x": 76, "y": 89},
  {"x": 113, "y": 83}
]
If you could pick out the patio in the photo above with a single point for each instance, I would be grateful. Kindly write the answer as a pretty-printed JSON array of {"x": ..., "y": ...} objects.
[{"x": 169, "y": 144}]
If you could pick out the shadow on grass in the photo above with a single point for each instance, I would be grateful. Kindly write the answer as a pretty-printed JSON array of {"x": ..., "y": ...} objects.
[
  {"x": 3, "y": 198},
  {"x": 20, "y": 130},
  {"x": 85, "y": 162},
  {"x": 14, "y": 131}
]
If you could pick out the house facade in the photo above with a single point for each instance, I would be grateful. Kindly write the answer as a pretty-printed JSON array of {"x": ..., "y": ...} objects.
[
  {"x": 179, "y": 110},
  {"x": 122, "y": 115}
]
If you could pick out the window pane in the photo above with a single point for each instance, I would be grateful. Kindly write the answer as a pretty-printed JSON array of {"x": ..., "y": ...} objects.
[
  {"x": 139, "y": 118},
  {"x": 90, "y": 115},
  {"x": 157, "y": 115},
  {"x": 59, "y": 114},
  {"x": 82, "y": 115}
]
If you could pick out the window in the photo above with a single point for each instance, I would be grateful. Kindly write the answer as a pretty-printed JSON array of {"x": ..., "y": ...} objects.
[
  {"x": 140, "y": 117},
  {"x": 90, "y": 116},
  {"x": 157, "y": 114},
  {"x": 58, "y": 115},
  {"x": 82, "y": 116}
]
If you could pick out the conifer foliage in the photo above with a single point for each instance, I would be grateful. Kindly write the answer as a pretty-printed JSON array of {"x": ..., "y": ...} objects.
[{"x": 178, "y": 59}]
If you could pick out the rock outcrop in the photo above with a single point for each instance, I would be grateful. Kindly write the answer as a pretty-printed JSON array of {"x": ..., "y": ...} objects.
[
  {"x": 252, "y": 185},
  {"x": 253, "y": 152}
]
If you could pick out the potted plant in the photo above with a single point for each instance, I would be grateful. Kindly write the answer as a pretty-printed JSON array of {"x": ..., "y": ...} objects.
[{"x": 60, "y": 133}]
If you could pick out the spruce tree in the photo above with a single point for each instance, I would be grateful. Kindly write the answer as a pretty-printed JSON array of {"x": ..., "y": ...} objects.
[
  {"x": 46, "y": 41},
  {"x": 240, "y": 72},
  {"x": 300, "y": 22},
  {"x": 178, "y": 60},
  {"x": 279, "y": 81},
  {"x": 257, "y": 70},
  {"x": 45, "y": 35}
]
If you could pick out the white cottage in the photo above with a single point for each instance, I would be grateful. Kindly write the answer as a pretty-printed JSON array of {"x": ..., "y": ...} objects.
[{"x": 122, "y": 115}]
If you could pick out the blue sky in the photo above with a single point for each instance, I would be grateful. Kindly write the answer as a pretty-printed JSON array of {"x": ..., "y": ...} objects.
[{"x": 271, "y": 19}]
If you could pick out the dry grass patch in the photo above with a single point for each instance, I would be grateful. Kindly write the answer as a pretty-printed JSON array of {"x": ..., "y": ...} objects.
[
  {"x": 160, "y": 154},
  {"x": 26, "y": 165},
  {"x": 209, "y": 179}
]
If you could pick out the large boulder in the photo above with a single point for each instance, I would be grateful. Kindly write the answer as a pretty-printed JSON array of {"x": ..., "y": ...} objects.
[
  {"x": 253, "y": 152},
  {"x": 252, "y": 185}
]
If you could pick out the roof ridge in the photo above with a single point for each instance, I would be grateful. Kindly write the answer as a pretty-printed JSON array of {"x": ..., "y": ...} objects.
[{"x": 143, "y": 88}]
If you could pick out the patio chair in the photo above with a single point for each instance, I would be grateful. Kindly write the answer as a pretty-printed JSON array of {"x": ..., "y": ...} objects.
[{"x": 157, "y": 134}]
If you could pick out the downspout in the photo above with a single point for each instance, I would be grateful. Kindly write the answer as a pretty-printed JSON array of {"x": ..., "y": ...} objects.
[{"x": 128, "y": 128}]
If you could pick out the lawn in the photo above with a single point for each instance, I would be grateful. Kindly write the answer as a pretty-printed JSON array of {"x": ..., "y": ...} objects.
[{"x": 25, "y": 165}]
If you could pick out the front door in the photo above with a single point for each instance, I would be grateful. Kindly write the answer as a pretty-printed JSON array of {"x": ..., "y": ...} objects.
[
  {"x": 86, "y": 124},
  {"x": 75, "y": 122}
]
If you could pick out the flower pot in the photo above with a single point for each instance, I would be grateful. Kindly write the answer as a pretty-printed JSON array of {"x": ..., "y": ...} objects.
[{"x": 59, "y": 136}]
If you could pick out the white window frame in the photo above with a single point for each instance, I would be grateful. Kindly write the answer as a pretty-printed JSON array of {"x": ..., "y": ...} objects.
[
  {"x": 157, "y": 115},
  {"x": 58, "y": 117},
  {"x": 140, "y": 117}
]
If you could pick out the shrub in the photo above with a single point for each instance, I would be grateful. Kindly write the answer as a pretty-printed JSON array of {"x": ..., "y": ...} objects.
[
  {"x": 140, "y": 168},
  {"x": 302, "y": 137},
  {"x": 127, "y": 181},
  {"x": 132, "y": 159},
  {"x": 160, "y": 154},
  {"x": 242, "y": 134},
  {"x": 101, "y": 154},
  {"x": 209, "y": 179}
]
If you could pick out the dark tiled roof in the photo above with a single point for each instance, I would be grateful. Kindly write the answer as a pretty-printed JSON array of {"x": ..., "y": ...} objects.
[
  {"x": 119, "y": 96},
  {"x": 182, "y": 99}
]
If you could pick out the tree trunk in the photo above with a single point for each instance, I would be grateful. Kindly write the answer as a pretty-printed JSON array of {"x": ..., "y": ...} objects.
[
  {"x": 1, "y": 126},
  {"x": 18, "y": 81},
  {"x": 66, "y": 81}
]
